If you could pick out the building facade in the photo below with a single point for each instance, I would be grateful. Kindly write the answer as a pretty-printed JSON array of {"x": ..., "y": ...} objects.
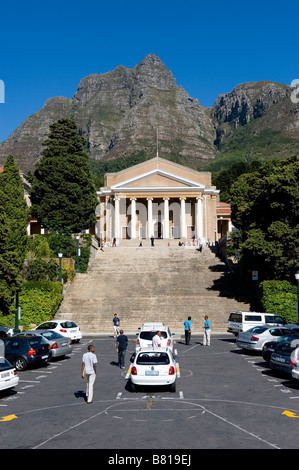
[{"x": 158, "y": 198}]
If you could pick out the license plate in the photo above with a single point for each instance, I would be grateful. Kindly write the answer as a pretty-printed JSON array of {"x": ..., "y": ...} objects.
[
  {"x": 151, "y": 372},
  {"x": 64, "y": 344},
  {"x": 45, "y": 357},
  {"x": 72, "y": 331},
  {"x": 5, "y": 374}
]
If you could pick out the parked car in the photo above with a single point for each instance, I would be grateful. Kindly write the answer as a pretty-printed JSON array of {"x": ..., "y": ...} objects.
[
  {"x": 64, "y": 327},
  {"x": 270, "y": 346},
  {"x": 255, "y": 338},
  {"x": 59, "y": 345},
  {"x": 285, "y": 357},
  {"x": 153, "y": 367},
  {"x": 8, "y": 375},
  {"x": 6, "y": 331},
  {"x": 239, "y": 322},
  {"x": 148, "y": 331},
  {"x": 25, "y": 351}
]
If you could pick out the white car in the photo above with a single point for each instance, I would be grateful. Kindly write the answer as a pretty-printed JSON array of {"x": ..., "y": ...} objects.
[
  {"x": 153, "y": 366},
  {"x": 148, "y": 331},
  {"x": 64, "y": 327},
  {"x": 8, "y": 375}
]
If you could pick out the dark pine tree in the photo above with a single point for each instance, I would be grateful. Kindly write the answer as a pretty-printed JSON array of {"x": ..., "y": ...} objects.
[{"x": 62, "y": 190}]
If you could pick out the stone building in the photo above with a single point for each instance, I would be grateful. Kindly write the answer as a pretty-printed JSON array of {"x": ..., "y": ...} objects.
[{"x": 158, "y": 198}]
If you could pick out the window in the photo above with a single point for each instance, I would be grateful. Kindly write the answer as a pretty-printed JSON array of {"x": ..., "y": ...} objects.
[
  {"x": 153, "y": 359},
  {"x": 68, "y": 324},
  {"x": 235, "y": 317},
  {"x": 51, "y": 335},
  {"x": 253, "y": 318},
  {"x": 35, "y": 342},
  {"x": 275, "y": 332},
  {"x": 275, "y": 319},
  {"x": 148, "y": 335},
  {"x": 258, "y": 329}
]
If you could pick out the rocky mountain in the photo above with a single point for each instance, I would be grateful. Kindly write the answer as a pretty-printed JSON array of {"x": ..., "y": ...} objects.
[{"x": 120, "y": 111}]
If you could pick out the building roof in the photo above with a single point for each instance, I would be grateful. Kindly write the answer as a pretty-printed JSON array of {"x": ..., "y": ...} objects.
[{"x": 223, "y": 209}]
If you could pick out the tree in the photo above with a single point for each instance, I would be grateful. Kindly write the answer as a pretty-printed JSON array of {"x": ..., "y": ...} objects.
[
  {"x": 62, "y": 191},
  {"x": 13, "y": 233},
  {"x": 224, "y": 179},
  {"x": 265, "y": 207}
]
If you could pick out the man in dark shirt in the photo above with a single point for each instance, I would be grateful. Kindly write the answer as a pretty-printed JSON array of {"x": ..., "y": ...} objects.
[{"x": 121, "y": 346}]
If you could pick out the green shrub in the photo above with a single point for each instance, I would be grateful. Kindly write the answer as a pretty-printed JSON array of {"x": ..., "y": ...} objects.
[
  {"x": 279, "y": 297},
  {"x": 39, "y": 302}
]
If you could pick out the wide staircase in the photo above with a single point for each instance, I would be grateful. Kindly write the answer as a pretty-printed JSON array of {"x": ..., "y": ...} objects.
[{"x": 143, "y": 284}]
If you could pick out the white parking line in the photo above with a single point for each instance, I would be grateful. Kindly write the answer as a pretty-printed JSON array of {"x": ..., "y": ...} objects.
[
  {"x": 30, "y": 381},
  {"x": 119, "y": 396}
]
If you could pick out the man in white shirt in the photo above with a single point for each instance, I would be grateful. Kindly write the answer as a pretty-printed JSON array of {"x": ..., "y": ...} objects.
[
  {"x": 89, "y": 362},
  {"x": 156, "y": 341}
]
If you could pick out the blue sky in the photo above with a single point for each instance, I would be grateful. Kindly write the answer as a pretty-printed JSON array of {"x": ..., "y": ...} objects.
[{"x": 47, "y": 47}]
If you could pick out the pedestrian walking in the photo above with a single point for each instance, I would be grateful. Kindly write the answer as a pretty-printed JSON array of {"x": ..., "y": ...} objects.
[
  {"x": 152, "y": 240},
  {"x": 156, "y": 340},
  {"x": 207, "y": 332},
  {"x": 121, "y": 347},
  {"x": 116, "y": 325},
  {"x": 187, "y": 325},
  {"x": 88, "y": 370}
]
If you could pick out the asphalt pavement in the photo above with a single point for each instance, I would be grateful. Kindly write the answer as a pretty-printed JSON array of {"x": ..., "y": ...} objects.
[{"x": 224, "y": 399}]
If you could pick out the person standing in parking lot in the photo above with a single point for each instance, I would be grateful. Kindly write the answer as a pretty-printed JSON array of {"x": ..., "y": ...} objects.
[
  {"x": 121, "y": 347},
  {"x": 207, "y": 332},
  {"x": 88, "y": 369},
  {"x": 187, "y": 325}
]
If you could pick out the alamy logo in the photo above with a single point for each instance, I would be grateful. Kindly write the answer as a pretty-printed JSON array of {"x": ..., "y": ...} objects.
[
  {"x": 295, "y": 92},
  {"x": 2, "y": 92}
]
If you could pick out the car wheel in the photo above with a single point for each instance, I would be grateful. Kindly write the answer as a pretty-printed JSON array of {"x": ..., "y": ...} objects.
[
  {"x": 173, "y": 387},
  {"x": 133, "y": 387},
  {"x": 20, "y": 364}
]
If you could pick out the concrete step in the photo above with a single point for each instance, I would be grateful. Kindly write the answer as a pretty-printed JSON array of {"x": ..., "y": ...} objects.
[{"x": 151, "y": 284}]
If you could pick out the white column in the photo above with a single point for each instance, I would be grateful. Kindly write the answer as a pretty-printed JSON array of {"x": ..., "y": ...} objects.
[
  {"x": 116, "y": 218},
  {"x": 183, "y": 233},
  {"x": 149, "y": 217},
  {"x": 199, "y": 221},
  {"x": 133, "y": 218},
  {"x": 166, "y": 218}
]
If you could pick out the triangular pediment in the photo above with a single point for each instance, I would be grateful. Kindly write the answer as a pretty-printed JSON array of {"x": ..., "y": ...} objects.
[{"x": 157, "y": 178}]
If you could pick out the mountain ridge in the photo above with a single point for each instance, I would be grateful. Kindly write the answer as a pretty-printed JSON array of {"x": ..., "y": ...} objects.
[{"x": 120, "y": 111}]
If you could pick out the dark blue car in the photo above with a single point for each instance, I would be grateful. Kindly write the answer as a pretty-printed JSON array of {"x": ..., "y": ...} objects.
[
  {"x": 25, "y": 351},
  {"x": 285, "y": 357}
]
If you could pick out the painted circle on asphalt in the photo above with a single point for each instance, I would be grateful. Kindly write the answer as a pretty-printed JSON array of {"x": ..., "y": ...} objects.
[{"x": 150, "y": 408}]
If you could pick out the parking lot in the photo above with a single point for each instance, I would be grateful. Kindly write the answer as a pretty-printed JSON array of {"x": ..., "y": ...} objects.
[{"x": 224, "y": 399}]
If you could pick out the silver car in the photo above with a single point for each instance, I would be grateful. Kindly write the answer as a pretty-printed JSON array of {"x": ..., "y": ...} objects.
[
  {"x": 255, "y": 338},
  {"x": 59, "y": 345}
]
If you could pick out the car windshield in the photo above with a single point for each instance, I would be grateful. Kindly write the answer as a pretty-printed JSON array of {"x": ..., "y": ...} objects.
[
  {"x": 4, "y": 364},
  {"x": 148, "y": 335},
  {"x": 68, "y": 324},
  {"x": 51, "y": 335},
  {"x": 235, "y": 317},
  {"x": 285, "y": 339},
  {"x": 258, "y": 329},
  {"x": 37, "y": 341},
  {"x": 153, "y": 358},
  {"x": 285, "y": 349}
]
